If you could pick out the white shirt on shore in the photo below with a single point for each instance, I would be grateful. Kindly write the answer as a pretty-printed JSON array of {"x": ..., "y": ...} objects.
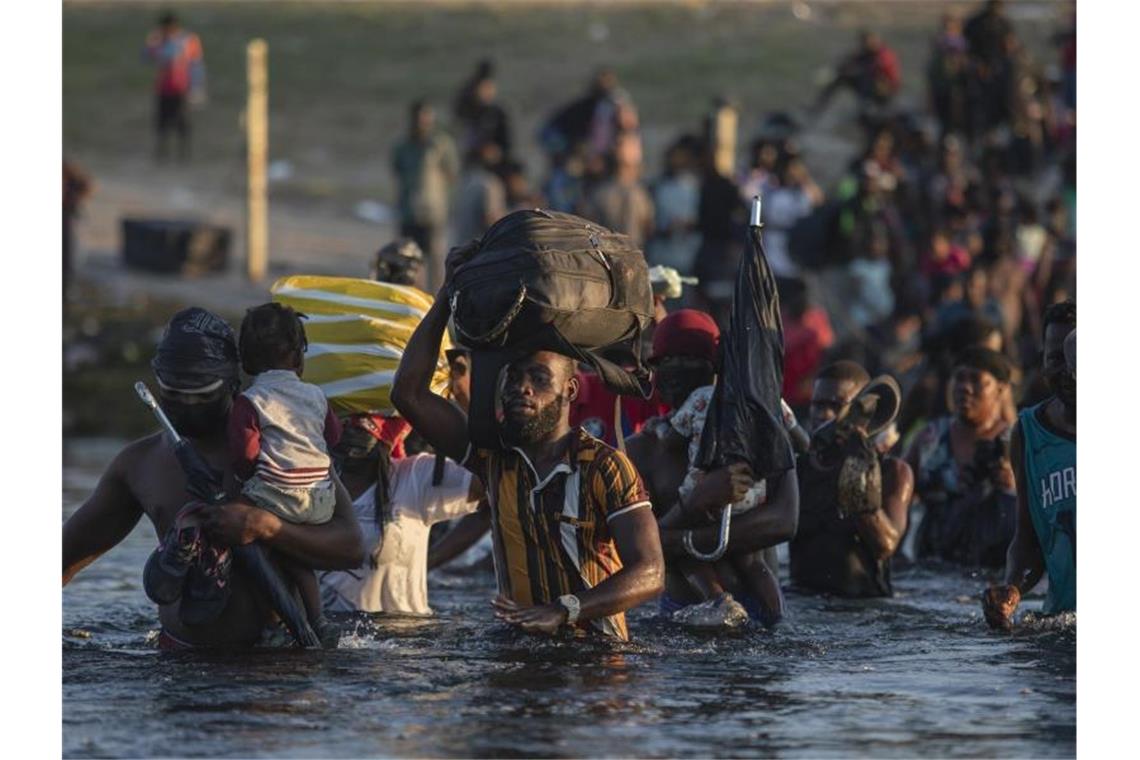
[{"x": 393, "y": 577}]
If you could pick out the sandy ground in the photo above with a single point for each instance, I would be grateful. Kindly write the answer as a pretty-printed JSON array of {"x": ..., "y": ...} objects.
[
  {"x": 300, "y": 240},
  {"x": 343, "y": 73}
]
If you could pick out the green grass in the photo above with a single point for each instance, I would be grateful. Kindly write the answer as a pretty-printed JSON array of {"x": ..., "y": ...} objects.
[{"x": 341, "y": 75}]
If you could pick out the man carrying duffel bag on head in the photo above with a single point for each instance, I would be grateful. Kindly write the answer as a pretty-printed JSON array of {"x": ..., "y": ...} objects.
[{"x": 575, "y": 542}]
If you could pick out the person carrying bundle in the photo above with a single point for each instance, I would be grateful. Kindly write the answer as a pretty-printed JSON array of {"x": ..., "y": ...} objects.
[{"x": 575, "y": 543}]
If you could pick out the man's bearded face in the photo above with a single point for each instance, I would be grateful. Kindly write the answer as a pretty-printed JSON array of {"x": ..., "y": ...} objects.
[
  {"x": 519, "y": 429},
  {"x": 534, "y": 397}
]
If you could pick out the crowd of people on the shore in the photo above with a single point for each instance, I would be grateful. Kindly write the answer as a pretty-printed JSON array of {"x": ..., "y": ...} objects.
[{"x": 929, "y": 379}]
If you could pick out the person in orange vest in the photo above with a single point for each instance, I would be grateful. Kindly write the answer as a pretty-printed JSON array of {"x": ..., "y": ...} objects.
[{"x": 177, "y": 55}]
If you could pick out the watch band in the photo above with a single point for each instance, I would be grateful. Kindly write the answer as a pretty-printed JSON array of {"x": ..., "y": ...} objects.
[{"x": 573, "y": 607}]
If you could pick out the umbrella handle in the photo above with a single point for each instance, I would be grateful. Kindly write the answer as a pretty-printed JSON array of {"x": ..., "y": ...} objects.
[
  {"x": 148, "y": 399},
  {"x": 722, "y": 544}
]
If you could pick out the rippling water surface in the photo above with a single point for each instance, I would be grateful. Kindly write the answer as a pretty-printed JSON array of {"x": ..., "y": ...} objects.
[{"x": 915, "y": 675}]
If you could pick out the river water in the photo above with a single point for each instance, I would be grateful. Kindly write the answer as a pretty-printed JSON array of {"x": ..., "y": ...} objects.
[{"x": 918, "y": 674}]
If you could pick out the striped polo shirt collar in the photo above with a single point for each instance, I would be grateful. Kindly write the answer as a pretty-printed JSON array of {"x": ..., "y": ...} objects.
[{"x": 568, "y": 464}]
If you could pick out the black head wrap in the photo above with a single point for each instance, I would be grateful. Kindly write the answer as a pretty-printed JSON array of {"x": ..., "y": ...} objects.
[
  {"x": 198, "y": 353},
  {"x": 985, "y": 360}
]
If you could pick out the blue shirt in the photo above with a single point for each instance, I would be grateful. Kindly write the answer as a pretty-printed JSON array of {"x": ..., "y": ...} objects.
[{"x": 1050, "y": 460}]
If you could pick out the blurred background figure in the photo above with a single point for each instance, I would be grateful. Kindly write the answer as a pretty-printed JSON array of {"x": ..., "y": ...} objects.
[
  {"x": 951, "y": 88},
  {"x": 592, "y": 120},
  {"x": 676, "y": 198},
  {"x": 807, "y": 336},
  {"x": 77, "y": 186},
  {"x": 181, "y": 77},
  {"x": 400, "y": 262},
  {"x": 426, "y": 169},
  {"x": 482, "y": 196},
  {"x": 479, "y": 119},
  {"x": 622, "y": 201},
  {"x": 790, "y": 199},
  {"x": 872, "y": 72},
  {"x": 520, "y": 194}
]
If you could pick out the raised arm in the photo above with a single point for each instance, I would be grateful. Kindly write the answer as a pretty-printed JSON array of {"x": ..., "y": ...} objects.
[
  {"x": 105, "y": 519},
  {"x": 435, "y": 418},
  {"x": 883, "y": 529},
  {"x": 334, "y": 545},
  {"x": 1024, "y": 564}
]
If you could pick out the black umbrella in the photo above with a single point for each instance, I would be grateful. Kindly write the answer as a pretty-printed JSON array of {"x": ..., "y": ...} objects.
[
  {"x": 203, "y": 482},
  {"x": 745, "y": 421}
]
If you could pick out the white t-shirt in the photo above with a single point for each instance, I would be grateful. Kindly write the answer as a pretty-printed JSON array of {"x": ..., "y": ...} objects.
[{"x": 393, "y": 577}]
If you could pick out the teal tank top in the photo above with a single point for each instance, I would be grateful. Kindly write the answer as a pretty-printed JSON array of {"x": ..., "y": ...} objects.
[{"x": 1051, "y": 479}]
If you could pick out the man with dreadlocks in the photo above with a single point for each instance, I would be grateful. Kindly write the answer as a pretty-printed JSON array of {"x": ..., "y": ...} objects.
[
  {"x": 281, "y": 430},
  {"x": 397, "y": 499}
]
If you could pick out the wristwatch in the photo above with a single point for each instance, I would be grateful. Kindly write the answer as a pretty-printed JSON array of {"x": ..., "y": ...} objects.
[{"x": 573, "y": 607}]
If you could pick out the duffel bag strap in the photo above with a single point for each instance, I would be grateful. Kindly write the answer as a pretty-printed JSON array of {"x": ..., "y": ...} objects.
[
  {"x": 482, "y": 425},
  {"x": 619, "y": 428},
  {"x": 617, "y": 378},
  {"x": 498, "y": 330}
]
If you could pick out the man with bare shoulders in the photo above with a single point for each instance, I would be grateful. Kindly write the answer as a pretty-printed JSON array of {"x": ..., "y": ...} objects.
[
  {"x": 574, "y": 538},
  {"x": 196, "y": 367},
  {"x": 1043, "y": 449},
  {"x": 850, "y": 555},
  {"x": 684, "y": 366}
]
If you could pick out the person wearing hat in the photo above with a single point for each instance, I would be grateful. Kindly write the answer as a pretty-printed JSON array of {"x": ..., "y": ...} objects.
[
  {"x": 684, "y": 361},
  {"x": 196, "y": 368},
  {"x": 400, "y": 262},
  {"x": 594, "y": 408},
  {"x": 964, "y": 481},
  {"x": 848, "y": 531}
]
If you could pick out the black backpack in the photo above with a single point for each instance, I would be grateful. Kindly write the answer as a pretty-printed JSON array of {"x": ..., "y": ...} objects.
[{"x": 545, "y": 280}]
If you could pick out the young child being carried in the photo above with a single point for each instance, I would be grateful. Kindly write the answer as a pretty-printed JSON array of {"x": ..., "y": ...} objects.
[{"x": 281, "y": 430}]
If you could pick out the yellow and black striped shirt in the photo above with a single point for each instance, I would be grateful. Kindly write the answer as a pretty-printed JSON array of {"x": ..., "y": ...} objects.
[{"x": 552, "y": 537}]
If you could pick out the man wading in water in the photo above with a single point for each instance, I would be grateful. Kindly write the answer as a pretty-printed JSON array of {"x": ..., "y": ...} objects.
[
  {"x": 684, "y": 366},
  {"x": 1043, "y": 450},
  {"x": 847, "y": 555},
  {"x": 574, "y": 537},
  {"x": 196, "y": 366}
]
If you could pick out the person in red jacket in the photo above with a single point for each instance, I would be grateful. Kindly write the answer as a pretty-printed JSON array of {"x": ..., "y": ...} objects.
[
  {"x": 177, "y": 55},
  {"x": 872, "y": 72}
]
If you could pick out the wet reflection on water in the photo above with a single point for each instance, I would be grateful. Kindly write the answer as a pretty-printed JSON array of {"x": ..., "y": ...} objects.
[{"x": 914, "y": 675}]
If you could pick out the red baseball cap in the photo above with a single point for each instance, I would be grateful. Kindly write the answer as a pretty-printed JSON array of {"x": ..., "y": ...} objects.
[{"x": 686, "y": 332}]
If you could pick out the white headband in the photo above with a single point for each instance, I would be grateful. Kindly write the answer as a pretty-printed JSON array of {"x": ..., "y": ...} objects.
[{"x": 201, "y": 390}]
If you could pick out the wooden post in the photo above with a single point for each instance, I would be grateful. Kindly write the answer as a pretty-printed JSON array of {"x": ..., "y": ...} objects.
[
  {"x": 724, "y": 138},
  {"x": 257, "y": 149}
]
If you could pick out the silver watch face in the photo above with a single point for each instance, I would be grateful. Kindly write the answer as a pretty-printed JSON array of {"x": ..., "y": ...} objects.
[{"x": 572, "y": 605}]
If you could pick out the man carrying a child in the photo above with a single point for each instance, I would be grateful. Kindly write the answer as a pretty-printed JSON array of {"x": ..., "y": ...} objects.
[{"x": 196, "y": 368}]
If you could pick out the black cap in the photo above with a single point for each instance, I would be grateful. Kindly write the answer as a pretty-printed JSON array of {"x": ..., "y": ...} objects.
[{"x": 198, "y": 353}]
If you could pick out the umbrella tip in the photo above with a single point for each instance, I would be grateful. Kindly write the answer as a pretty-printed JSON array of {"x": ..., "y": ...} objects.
[{"x": 754, "y": 217}]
